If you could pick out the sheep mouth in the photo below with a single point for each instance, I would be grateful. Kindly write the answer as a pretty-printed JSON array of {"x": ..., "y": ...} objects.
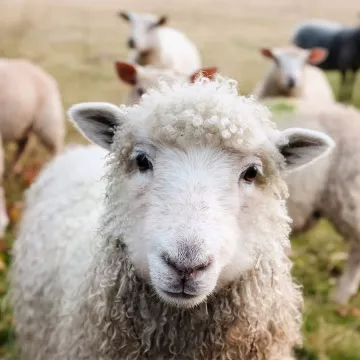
[
  {"x": 179, "y": 295},
  {"x": 180, "y": 299}
]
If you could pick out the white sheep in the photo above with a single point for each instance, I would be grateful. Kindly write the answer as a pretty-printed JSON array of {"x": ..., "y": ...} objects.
[
  {"x": 143, "y": 78},
  {"x": 178, "y": 252},
  {"x": 292, "y": 75},
  {"x": 330, "y": 188},
  {"x": 29, "y": 103},
  {"x": 153, "y": 43}
]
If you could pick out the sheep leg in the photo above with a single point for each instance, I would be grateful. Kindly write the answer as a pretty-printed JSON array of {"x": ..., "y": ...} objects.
[
  {"x": 17, "y": 166},
  {"x": 348, "y": 85},
  {"x": 350, "y": 280},
  {"x": 351, "y": 84},
  {"x": 342, "y": 87}
]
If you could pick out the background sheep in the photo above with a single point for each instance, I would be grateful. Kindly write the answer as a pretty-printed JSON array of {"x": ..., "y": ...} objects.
[
  {"x": 191, "y": 164},
  {"x": 30, "y": 103},
  {"x": 342, "y": 43},
  {"x": 142, "y": 78},
  {"x": 159, "y": 45},
  {"x": 330, "y": 188},
  {"x": 291, "y": 75}
]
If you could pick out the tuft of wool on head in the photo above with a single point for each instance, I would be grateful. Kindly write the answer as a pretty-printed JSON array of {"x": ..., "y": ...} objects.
[{"x": 205, "y": 112}]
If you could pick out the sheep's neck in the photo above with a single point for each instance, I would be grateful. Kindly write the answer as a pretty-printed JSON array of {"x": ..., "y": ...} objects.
[{"x": 228, "y": 326}]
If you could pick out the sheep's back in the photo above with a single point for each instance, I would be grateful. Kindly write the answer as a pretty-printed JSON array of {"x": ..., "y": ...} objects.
[
  {"x": 48, "y": 266},
  {"x": 345, "y": 50},
  {"x": 312, "y": 34},
  {"x": 342, "y": 191},
  {"x": 330, "y": 185},
  {"x": 307, "y": 184},
  {"x": 24, "y": 88},
  {"x": 177, "y": 52},
  {"x": 316, "y": 86}
]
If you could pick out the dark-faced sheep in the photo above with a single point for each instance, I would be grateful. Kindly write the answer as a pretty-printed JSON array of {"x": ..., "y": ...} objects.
[{"x": 343, "y": 45}]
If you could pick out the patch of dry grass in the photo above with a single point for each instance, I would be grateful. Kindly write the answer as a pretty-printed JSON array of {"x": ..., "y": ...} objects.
[{"x": 78, "y": 41}]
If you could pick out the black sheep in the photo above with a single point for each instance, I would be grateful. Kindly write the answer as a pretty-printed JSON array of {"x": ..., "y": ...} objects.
[{"x": 343, "y": 45}]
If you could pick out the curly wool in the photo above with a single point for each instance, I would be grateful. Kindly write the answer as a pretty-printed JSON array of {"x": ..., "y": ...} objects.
[
  {"x": 226, "y": 119},
  {"x": 65, "y": 199},
  {"x": 114, "y": 313},
  {"x": 257, "y": 317}
]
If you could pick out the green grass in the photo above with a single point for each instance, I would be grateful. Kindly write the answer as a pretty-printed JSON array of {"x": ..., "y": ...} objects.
[
  {"x": 78, "y": 43},
  {"x": 7, "y": 337},
  {"x": 280, "y": 106},
  {"x": 316, "y": 266}
]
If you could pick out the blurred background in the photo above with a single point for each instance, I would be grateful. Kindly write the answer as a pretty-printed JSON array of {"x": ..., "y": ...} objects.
[{"x": 77, "y": 41}]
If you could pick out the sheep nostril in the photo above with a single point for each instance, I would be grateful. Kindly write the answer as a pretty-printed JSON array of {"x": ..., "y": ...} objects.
[
  {"x": 131, "y": 43},
  {"x": 187, "y": 272},
  {"x": 166, "y": 258},
  {"x": 291, "y": 83},
  {"x": 202, "y": 267},
  {"x": 205, "y": 264}
]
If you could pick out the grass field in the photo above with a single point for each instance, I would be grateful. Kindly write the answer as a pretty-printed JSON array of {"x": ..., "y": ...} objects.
[{"x": 77, "y": 41}]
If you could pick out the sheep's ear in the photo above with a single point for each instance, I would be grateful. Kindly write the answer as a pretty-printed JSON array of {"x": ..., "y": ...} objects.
[
  {"x": 124, "y": 15},
  {"x": 97, "y": 122},
  {"x": 267, "y": 52},
  {"x": 206, "y": 72},
  {"x": 317, "y": 56},
  {"x": 126, "y": 72},
  {"x": 302, "y": 146},
  {"x": 162, "y": 20}
]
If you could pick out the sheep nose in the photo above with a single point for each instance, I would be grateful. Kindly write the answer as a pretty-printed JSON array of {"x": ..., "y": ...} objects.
[
  {"x": 190, "y": 271},
  {"x": 131, "y": 43},
  {"x": 291, "y": 83}
]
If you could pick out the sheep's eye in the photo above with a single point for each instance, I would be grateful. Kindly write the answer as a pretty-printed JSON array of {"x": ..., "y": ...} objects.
[
  {"x": 250, "y": 174},
  {"x": 140, "y": 92},
  {"x": 143, "y": 163}
]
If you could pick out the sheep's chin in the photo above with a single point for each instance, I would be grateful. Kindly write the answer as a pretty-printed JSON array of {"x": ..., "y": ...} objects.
[{"x": 181, "y": 302}]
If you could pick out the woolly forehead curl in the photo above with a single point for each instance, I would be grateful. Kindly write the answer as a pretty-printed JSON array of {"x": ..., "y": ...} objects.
[{"x": 204, "y": 113}]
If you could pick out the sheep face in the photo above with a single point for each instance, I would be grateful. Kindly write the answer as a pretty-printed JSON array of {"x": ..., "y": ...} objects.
[
  {"x": 143, "y": 78},
  {"x": 195, "y": 187},
  {"x": 289, "y": 66},
  {"x": 142, "y": 26},
  {"x": 192, "y": 226}
]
